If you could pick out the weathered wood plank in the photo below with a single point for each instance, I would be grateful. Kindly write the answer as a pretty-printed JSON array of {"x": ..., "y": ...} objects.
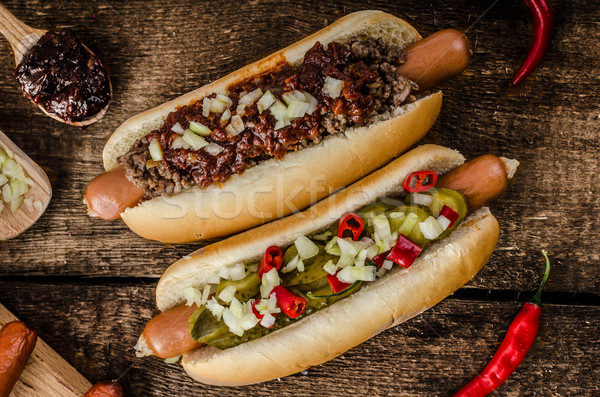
[{"x": 434, "y": 353}]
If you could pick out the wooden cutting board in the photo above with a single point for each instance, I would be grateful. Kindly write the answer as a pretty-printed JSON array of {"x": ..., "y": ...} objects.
[{"x": 47, "y": 374}]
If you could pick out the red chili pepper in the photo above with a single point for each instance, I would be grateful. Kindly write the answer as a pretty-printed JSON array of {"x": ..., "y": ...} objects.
[
  {"x": 271, "y": 259},
  {"x": 420, "y": 181},
  {"x": 289, "y": 303},
  {"x": 543, "y": 23},
  {"x": 449, "y": 214},
  {"x": 404, "y": 252},
  {"x": 351, "y": 225},
  {"x": 257, "y": 313},
  {"x": 520, "y": 336},
  {"x": 335, "y": 283},
  {"x": 379, "y": 259}
]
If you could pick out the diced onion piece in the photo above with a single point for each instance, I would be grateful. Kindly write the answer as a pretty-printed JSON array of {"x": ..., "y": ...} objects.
[
  {"x": 155, "y": 150},
  {"x": 284, "y": 122},
  {"x": 178, "y": 129},
  {"x": 345, "y": 260},
  {"x": 206, "y": 107},
  {"x": 236, "y": 308},
  {"x": 13, "y": 170},
  {"x": 332, "y": 87},
  {"x": 6, "y": 193},
  {"x": 291, "y": 265},
  {"x": 194, "y": 140},
  {"x": 249, "y": 321},
  {"x": 387, "y": 264},
  {"x": 330, "y": 267},
  {"x": 3, "y": 179},
  {"x": 265, "y": 101},
  {"x": 357, "y": 273},
  {"x": 215, "y": 308},
  {"x": 278, "y": 110},
  {"x": 306, "y": 248},
  {"x": 348, "y": 246},
  {"x": 213, "y": 278},
  {"x": 236, "y": 125},
  {"x": 199, "y": 128},
  {"x": 240, "y": 110},
  {"x": 16, "y": 203},
  {"x": 409, "y": 223},
  {"x": 18, "y": 187},
  {"x": 271, "y": 278},
  {"x": 381, "y": 227},
  {"x": 312, "y": 103},
  {"x": 3, "y": 156},
  {"x": 251, "y": 97},
  {"x": 443, "y": 221},
  {"x": 179, "y": 143},
  {"x": 172, "y": 360},
  {"x": 293, "y": 96},
  {"x": 205, "y": 294},
  {"x": 192, "y": 295},
  {"x": 296, "y": 109},
  {"x": 217, "y": 106},
  {"x": 268, "y": 320},
  {"x": 227, "y": 294},
  {"x": 226, "y": 115},
  {"x": 332, "y": 247},
  {"x": 396, "y": 220},
  {"x": 28, "y": 203},
  {"x": 237, "y": 272},
  {"x": 213, "y": 149},
  {"x": 431, "y": 228},
  {"x": 422, "y": 199},
  {"x": 224, "y": 99},
  {"x": 232, "y": 322}
]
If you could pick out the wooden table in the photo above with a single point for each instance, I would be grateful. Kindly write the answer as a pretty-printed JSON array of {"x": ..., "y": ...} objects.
[{"x": 87, "y": 284}]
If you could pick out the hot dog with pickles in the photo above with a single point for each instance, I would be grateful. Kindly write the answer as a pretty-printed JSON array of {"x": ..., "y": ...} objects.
[{"x": 366, "y": 258}]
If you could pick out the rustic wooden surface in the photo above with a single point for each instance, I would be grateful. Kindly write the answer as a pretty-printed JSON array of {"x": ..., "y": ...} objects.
[{"x": 87, "y": 285}]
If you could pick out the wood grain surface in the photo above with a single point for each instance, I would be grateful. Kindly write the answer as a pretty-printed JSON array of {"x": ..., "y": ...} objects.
[{"x": 87, "y": 284}]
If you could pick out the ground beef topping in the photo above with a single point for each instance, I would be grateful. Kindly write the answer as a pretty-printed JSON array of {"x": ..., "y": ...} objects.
[{"x": 336, "y": 87}]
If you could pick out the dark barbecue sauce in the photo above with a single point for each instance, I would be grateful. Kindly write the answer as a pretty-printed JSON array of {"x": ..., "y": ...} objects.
[{"x": 63, "y": 77}]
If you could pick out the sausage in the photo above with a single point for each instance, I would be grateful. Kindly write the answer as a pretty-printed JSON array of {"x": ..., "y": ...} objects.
[
  {"x": 111, "y": 193},
  {"x": 167, "y": 334},
  {"x": 17, "y": 341},
  {"x": 106, "y": 388},
  {"x": 436, "y": 58},
  {"x": 429, "y": 62},
  {"x": 480, "y": 180}
]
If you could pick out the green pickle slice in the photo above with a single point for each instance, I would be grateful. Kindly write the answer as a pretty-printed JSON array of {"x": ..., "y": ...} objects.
[{"x": 246, "y": 288}]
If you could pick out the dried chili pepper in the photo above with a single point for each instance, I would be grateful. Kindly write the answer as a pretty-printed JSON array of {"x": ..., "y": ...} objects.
[
  {"x": 271, "y": 259},
  {"x": 420, "y": 181},
  {"x": 351, "y": 225},
  {"x": 520, "y": 336},
  {"x": 543, "y": 23},
  {"x": 289, "y": 303}
]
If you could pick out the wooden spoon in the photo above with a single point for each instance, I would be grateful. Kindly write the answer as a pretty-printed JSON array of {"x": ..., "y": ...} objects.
[
  {"x": 22, "y": 38},
  {"x": 11, "y": 225}
]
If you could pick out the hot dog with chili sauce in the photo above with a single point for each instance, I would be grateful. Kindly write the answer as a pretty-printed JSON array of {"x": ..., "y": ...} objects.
[
  {"x": 406, "y": 250},
  {"x": 281, "y": 123}
]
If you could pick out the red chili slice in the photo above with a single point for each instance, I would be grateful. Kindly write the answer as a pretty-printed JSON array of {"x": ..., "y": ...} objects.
[
  {"x": 379, "y": 259},
  {"x": 335, "y": 283},
  {"x": 289, "y": 303},
  {"x": 450, "y": 214},
  {"x": 420, "y": 181},
  {"x": 404, "y": 252},
  {"x": 271, "y": 259},
  {"x": 351, "y": 225}
]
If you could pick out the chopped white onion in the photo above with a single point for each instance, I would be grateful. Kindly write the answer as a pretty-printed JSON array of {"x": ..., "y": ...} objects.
[
  {"x": 345, "y": 260},
  {"x": 332, "y": 87},
  {"x": 235, "y": 126},
  {"x": 293, "y": 264},
  {"x": 330, "y": 267},
  {"x": 199, "y": 128},
  {"x": 332, "y": 247},
  {"x": 232, "y": 322},
  {"x": 296, "y": 109},
  {"x": 205, "y": 294},
  {"x": 215, "y": 308},
  {"x": 224, "y": 273},
  {"x": 213, "y": 149},
  {"x": 192, "y": 295},
  {"x": 351, "y": 274},
  {"x": 381, "y": 227},
  {"x": 218, "y": 106},
  {"x": 226, "y": 115},
  {"x": 293, "y": 96},
  {"x": 312, "y": 103},
  {"x": 227, "y": 294},
  {"x": 194, "y": 140},
  {"x": 177, "y": 128},
  {"x": 251, "y": 97},
  {"x": 430, "y": 228},
  {"x": 236, "y": 308},
  {"x": 240, "y": 110},
  {"x": 265, "y": 101},
  {"x": 422, "y": 199},
  {"x": 306, "y": 248},
  {"x": 237, "y": 272},
  {"x": 3, "y": 179},
  {"x": 347, "y": 246},
  {"x": 284, "y": 122},
  {"x": 268, "y": 320},
  {"x": 206, "y": 107},
  {"x": 179, "y": 143},
  {"x": 387, "y": 264},
  {"x": 224, "y": 99},
  {"x": 278, "y": 109},
  {"x": 155, "y": 150},
  {"x": 443, "y": 221}
]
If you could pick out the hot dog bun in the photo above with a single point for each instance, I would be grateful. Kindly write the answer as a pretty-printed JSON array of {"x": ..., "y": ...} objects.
[
  {"x": 275, "y": 188},
  {"x": 443, "y": 268}
]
